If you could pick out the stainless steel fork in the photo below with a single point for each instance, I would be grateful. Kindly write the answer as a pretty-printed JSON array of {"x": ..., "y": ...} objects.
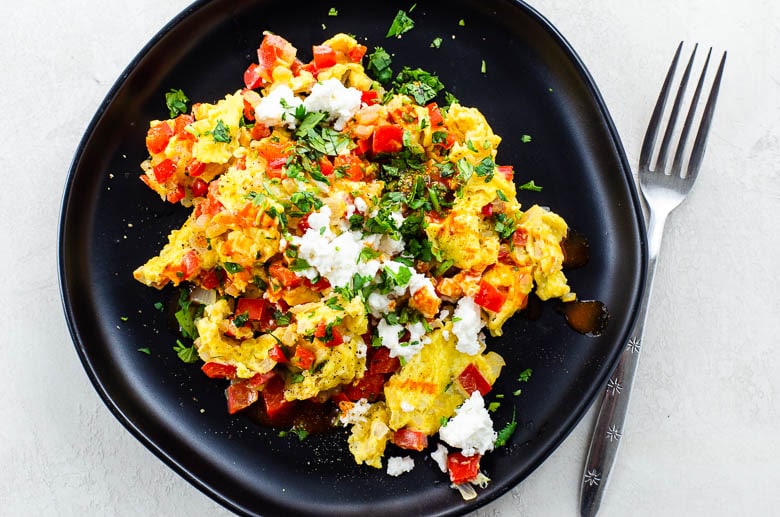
[{"x": 663, "y": 191}]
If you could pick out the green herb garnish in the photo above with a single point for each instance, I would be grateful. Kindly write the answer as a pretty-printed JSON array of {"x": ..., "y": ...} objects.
[
  {"x": 401, "y": 23},
  {"x": 176, "y": 102}
]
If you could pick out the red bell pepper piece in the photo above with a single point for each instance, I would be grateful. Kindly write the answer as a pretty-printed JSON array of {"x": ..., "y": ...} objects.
[
  {"x": 277, "y": 354},
  {"x": 190, "y": 264},
  {"x": 321, "y": 333},
  {"x": 254, "y": 307},
  {"x": 410, "y": 439},
  {"x": 240, "y": 396},
  {"x": 489, "y": 297},
  {"x": 434, "y": 114},
  {"x": 177, "y": 195},
  {"x": 357, "y": 53},
  {"x": 388, "y": 138},
  {"x": 303, "y": 358},
  {"x": 369, "y": 97},
  {"x": 284, "y": 275},
  {"x": 276, "y": 406},
  {"x": 199, "y": 188},
  {"x": 462, "y": 468},
  {"x": 218, "y": 370},
  {"x": 157, "y": 137},
  {"x": 368, "y": 387},
  {"x": 164, "y": 170},
  {"x": 507, "y": 171},
  {"x": 324, "y": 56},
  {"x": 381, "y": 362},
  {"x": 472, "y": 380}
]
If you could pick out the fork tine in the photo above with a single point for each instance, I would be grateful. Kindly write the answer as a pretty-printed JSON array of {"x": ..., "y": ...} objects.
[
  {"x": 697, "y": 154},
  {"x": 648, "y": 144},
  {"x": 678, "y": 156},
  {"x": 667, "y": 139}
]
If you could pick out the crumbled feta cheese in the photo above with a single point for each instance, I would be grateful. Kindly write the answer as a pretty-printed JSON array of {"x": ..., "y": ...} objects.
[
  {"x": 466, "y": 325},
  {"x": 379, "y": 304},
  {"x": 357, "y": 413},
  {"x": 332, "y": 97},
  {"x": 361, "y": 349},
  {"x": 361, "y": 205},
  {"x": 471, "y": 429},
  {"x": 320, "y": 219},
  {"x": 440, "y": 457},
  {"x": 391, "y": 246},
  {"x": 420, "y": 281},
  {"x": 389, "y": 334},
  {"x": 271, "y": 112},
  {"x": 397, "y": 465}
]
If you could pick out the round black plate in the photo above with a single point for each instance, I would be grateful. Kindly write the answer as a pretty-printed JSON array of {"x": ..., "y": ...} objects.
[{"x": 533, "y": 84}]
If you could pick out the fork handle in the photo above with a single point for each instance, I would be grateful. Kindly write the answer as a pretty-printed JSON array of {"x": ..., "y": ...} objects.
[{"x": 608, "y": 430}]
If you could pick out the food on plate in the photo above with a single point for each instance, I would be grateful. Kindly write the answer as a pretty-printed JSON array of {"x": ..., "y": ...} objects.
[{"x": 348, "y": 242}]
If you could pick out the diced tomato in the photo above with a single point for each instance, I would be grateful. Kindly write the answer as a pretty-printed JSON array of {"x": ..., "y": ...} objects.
[
  {"x": 240, "y": 396},
  {"x": 253, "y": 78},
  {"x": 357, "y": 53},
  {"x": 319, "y": 285},
  {"x": 369, "y": 97},
  {"x": 381, "y": 362},
  {"x": 284, "y": 275},
  {"x": 368, "y": 387},
  {"x": 487, "y": 210},
  {"x": 259, "y": 131},
  {"x": 157, "y": 137},
  {"x": 277, "y": 354},
  {"x": 210, "y": 280},
  {"x": 462, "y": 468},
  {"x": 324, "y": 56},
  {"x": 276, "y": 406},
  {"x": 199, "y": 188},
  {"x": 211, "y": 205},
  {"x": 363, "y": 146},
  {"x": 190, "y": 263},
  {"x": 303, "y": 358},
  {"x": 177, "y": 195},
  {"x": 388, "y": 138},
  {"x": 254, "y": 307},
  {"x": 218, "y": 370},
  {"x": 164, "y": 170},
  {"x": 507, "y": 171},
  {"x": 351, "y": 165},
  {"x": 520, "y": 237},
  {"x": 272, "y": 49},
  {"x": 410, "y": 439},
  {"x": 251, "y": 99},
  {"x": 472, "y": 380},
  {"x": 326, "y": 166},
  {"x": 259, "y": 380},
  {"x": 181, "y": 122},
  {"x": 195, "y": 168},
  {"x": 434, "y": 114},
  {"x": 321, "y": 333},
  {"x": 274, "y": 153},
  {"x": 489, "y": 297}
]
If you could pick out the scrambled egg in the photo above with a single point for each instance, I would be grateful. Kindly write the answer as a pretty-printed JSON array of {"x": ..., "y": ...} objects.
[{"x": 409, "y": 214}]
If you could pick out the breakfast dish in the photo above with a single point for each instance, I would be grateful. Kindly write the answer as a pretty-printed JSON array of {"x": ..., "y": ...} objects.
[{"x": 347, "y": 244}]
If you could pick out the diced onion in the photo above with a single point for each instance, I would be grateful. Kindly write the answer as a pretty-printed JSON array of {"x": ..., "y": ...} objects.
[{"x": 203, "y": 296}]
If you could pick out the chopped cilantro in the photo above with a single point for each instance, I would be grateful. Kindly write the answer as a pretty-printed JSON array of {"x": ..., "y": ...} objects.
[
  {"x": 221, "y": 133},
  {"x": 233, "y": 268},
  {"x": 367, "y": 254},
  {"x": 505, "y": 225},
  {"x": 525, "y": 139},
  {"x": 159, "y": 306},
  {"x": 525, "y": 375},
  {"x": 462, "y": 22},
  {"x": 379, "y": 65},
  {"x": 299, "y": 264},
  {"x": 176, "y": 102},
  {"x": 333, "y": 303},
  {"x": 500, "y": 195},
  {"x": 186, "y": 315},
  {"x": 436, "y": 43},
  {"x": 188, "y": 354},
  {"x": 530, "y": 186},
  {"x": 401, "y": 23},
  {"x": 305, "y": 201},
  {"x": 257, "y": 198},
  {"x": 486, "y": 168},
  {"x": 241, "y": 319},
  {"x": 483, "y": 68},
  {"x": 300, "y": 433},
  {"x": 507, "y": 432},
  {"x": 145, "y": 350},
  {"x": 493, "y": 406},
  {"x": 419, "y": 84},
  {"x": 333, "y": 11}
]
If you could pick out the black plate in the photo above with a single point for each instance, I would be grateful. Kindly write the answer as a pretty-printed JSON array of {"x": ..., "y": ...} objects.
[{"x": 534, "y": 84}]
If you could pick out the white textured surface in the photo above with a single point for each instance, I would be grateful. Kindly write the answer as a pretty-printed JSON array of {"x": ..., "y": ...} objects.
[{"x": 703, "y": 432}]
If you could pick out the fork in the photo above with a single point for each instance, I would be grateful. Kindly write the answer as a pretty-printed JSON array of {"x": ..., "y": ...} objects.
[{"x": 663, "y": 190}]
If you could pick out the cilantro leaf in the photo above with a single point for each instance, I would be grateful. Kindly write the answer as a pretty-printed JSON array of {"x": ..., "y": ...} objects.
[
  {"x": 436, "y": 43},
  {"x": 188, "y": 354},
  {"x": 530, "y": 186},
  {"x": 507, "y": 432},
  {"x": 525, "y": 375},
  {"x": 221, "y": 133},
  {"x": 401, "y": 23},
  {"x": 176, "y": 102},
  {"x": 379, "y": 65},
  {"x": 423, "y": 86}
]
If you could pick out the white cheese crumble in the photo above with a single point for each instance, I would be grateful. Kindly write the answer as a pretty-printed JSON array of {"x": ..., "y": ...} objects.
[
  {"x": 471, "y": 429},
  {"x": 389, "y": 334},
  {"x": 361, "y": 205},
  {"x": 380, "y": 304},
  {"x": 467, "y": 322},
  {"x": 357, "y": 413},
  {"x": 332, "y": 97},
  {"x": 397, "y": 465},
  {"x": 271, "y": 112},
  {"x": 440, "y": 457}
]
